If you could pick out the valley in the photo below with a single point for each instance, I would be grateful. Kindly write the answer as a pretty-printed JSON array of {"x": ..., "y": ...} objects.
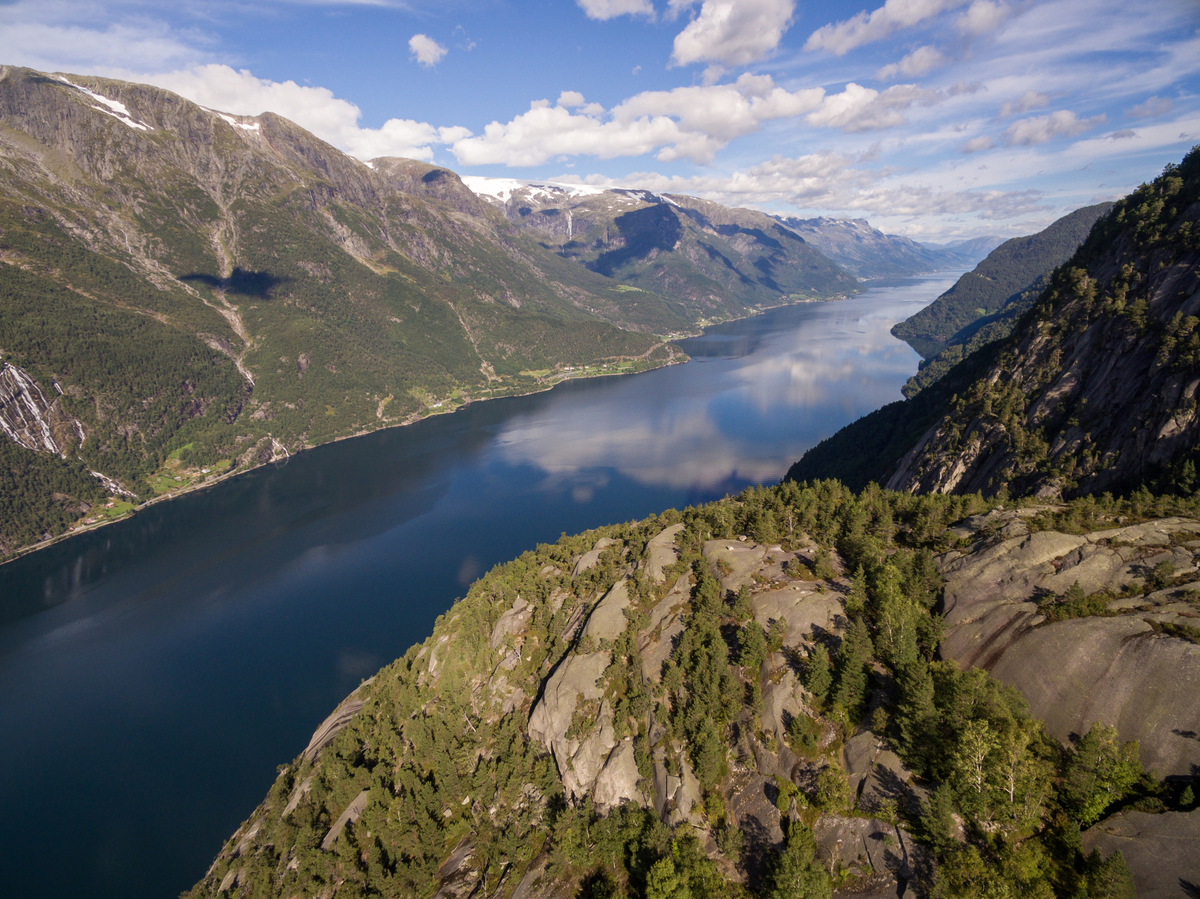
[{"x": 976, "y": 679}]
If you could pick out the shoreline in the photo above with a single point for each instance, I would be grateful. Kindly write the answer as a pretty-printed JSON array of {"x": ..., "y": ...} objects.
[
  {"x": 677, "y": 358},
  {"x": 208, "y": 482}
]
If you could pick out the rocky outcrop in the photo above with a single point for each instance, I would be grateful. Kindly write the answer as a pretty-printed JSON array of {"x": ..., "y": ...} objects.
[
  {"x": 1160, "y": 850},
  {"x": 874, "y": 855},
  {"x": 1121, "y": 668},
  {"x": 32, "y": 421}
]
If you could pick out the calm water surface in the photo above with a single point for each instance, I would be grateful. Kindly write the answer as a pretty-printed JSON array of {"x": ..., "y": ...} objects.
[{"x": 154, "y": 673}]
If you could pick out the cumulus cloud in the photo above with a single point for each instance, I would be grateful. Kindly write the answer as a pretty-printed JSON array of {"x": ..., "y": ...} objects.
[
  {"x": 916, "y": 63},
  {"x": 732, "y": 32},
  {"x": 685, "y": 123},
  {"x": 982, "y": 17},
  {"x": 1040, "y": 129},
  {"x": 842, "y": 37},
  {"x": 975, "y": 144},
  {"x": 314, "y": 108},
  {"x": 1027, "y": 101},
  {"x": 426, "y": 50},
  {"x": 1152, "y": 108},
  {"x": 859, "y": 108},
  {"x": 602, "y": 10}
]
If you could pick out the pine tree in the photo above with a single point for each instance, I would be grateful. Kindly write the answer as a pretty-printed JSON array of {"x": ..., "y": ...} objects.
[
  {"x": 796, "y": 873},
  {"x": 819, "y": 678}
]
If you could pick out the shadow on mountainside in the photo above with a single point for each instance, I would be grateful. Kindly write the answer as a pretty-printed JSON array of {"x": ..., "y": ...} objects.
[{"x": 241, "y": 282}]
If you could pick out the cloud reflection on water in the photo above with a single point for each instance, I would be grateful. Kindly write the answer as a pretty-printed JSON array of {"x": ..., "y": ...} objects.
[{"x": 760, "y": 399}]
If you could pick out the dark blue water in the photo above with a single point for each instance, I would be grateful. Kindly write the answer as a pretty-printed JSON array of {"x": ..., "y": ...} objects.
[{"x": 159, "y": 669}]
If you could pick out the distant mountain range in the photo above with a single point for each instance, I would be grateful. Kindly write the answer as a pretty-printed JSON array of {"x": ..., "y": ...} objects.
[
  {"x": 867, "y": 252},
  {"x": 724, "y": 262}
]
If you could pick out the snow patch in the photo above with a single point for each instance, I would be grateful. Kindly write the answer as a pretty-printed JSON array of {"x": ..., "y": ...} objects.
[
  {"x": 114, "y": 108},
  {"x": 245, "y": 126},
  {"x": 504, "y": 189}
]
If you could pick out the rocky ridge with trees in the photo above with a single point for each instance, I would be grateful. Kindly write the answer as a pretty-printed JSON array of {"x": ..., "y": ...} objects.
[{"x": 754, "y": 697}]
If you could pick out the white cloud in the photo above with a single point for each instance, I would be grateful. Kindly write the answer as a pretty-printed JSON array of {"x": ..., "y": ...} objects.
[
  {"x": 982, "y": 17},
  {"x": 916, "y": 63},
  {"x": 314, "y": 108},
  {"x": 602, "y": 10},
  {"x": 975, "y": 144},
  {"x": 52, "y": 36},
  {"x": 1040, "y": 129},
  {"x": 842, "y": 37},
  {"x": 831, "y": 183},
  {"x": 426, "y": 50},
  {"x": 1027, "y": 101},
  {"x": 1151, "y": 109},
  {"x": 546, "y": 132},
  {"x": 723, "y": 111},
  {"x": 685, "y": 123},
  {"x": 732, "y": 32},
  {"x": 859, "y": 108}
]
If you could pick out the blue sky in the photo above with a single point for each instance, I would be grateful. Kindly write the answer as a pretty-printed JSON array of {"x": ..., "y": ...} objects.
[{"x": 932, "y": 118}]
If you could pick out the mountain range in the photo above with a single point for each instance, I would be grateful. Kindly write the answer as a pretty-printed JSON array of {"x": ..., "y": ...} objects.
[
  {"x": 725, "y": 262},
  {"x": 869, "y": 253}
]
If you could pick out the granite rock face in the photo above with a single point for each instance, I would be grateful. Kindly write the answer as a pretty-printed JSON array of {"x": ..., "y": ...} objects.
[{"x": 1124, "y": 669}]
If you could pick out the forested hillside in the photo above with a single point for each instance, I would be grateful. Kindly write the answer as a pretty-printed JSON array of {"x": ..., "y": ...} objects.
[
  {"x": 999, "y": 287},
  {"x": 750, "y": 698}
]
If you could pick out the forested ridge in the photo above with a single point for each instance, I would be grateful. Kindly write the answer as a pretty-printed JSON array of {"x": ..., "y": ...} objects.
[
  {"x": 998, "y": 289},
  {"x": 454, "y": 791}
]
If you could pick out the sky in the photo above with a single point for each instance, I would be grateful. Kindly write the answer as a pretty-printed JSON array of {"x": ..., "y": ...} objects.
[{"x": 935, "y": 119}]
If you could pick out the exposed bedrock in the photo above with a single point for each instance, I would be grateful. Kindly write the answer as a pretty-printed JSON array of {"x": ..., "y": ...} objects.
[{"x": 1125, "y": 668}]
